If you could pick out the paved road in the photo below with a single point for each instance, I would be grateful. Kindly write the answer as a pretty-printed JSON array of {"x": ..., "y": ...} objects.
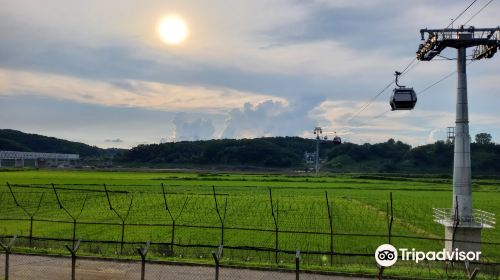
[{"x": 24, "y": 267}]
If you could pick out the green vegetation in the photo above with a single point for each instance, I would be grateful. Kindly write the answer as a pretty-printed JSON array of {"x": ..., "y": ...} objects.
[
  {"x": 271, "y": 152},
  {"x": 358, "y": 203},
  {"x": 13, "y": 140},
  {"x": 288, "y": 152}
]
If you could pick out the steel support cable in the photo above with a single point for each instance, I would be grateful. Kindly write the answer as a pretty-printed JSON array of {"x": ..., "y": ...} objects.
[
  {"x": 459, "y": 15},
  {"x": 418, "y": 94},
  {"x": 478, "y": 12},
  {"x": 409, "y": 67}
]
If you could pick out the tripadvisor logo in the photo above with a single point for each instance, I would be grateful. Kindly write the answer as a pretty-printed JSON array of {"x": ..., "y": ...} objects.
[{"x": 387, "y": 255}]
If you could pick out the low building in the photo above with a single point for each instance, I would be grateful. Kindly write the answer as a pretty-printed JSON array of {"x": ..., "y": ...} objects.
[{"x": 19, "y": 159}]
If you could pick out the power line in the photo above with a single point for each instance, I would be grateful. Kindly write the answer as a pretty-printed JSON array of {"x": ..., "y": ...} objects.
[{"x": 478, "y": 12}]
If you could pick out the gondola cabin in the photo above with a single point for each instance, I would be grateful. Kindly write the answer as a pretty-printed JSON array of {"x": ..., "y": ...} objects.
[
  {"x": 403, "y": 98},
  {"x": 337, "y": 140}
]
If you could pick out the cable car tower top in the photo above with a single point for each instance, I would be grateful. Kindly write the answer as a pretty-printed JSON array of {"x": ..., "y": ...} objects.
[
  {"x": 486, "y": 41},
  {"x": 461, "y": 222}
]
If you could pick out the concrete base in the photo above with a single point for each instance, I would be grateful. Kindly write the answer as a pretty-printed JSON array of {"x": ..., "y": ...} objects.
[{"x": 466, "y": 234}]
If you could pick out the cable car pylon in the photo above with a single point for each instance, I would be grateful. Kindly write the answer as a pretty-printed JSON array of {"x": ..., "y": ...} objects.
[{"x": 460, "y": 221}]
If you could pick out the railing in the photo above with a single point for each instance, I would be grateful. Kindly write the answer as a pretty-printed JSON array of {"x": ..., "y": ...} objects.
[{"x": 479, "y": 218}]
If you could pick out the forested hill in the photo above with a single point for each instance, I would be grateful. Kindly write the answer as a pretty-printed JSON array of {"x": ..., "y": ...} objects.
[
  {"x": 264, "y": 152},
  {"x": 288, "y": 152},
  {"x": 13, "y": 140},
  {"x": 272, "y": 152}
]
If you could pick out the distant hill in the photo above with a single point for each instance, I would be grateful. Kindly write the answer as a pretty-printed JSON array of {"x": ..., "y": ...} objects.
[
  {"x": 264, "y": 152},
  {"x": 13, "y": 140},
  {"x": 288, "y": 152},
  {"x": 270, "y": 152}
]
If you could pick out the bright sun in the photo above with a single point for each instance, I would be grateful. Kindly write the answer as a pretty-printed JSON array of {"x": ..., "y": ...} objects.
[{"x": 173, "y": 30}]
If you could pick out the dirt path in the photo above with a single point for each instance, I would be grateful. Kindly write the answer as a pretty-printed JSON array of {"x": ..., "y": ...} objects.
[{"x": 23, "y": 267}]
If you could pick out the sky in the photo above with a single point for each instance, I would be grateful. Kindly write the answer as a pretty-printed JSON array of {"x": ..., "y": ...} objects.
[{"x": 98, "y": 72}]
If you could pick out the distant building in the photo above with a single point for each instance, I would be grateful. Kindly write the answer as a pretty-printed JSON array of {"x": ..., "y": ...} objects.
[
  {"x": 19, "y": 159},
  {"x": 310, "y": 157}
]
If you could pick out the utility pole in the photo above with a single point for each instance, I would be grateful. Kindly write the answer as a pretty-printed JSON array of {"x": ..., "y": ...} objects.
[
  {"x": 461, "y": 222},
  {"x": 318, "y": 131}
]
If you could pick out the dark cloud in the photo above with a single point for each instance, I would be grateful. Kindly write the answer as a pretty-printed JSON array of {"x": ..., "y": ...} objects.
[{"x": 356, "y": 27}]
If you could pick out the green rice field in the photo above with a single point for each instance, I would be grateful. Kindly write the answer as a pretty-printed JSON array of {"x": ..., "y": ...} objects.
[{"x": 358, "y": 206}]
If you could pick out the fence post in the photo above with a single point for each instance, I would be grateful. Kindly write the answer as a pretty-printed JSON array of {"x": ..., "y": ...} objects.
[
  {"x": 329, "y": 209},
  {"x": 31, "y": 231},
  {"x": 172, "y": 217},
  {"x": 221, "y": 218},
  {"x": 172, "y": 239},
  {"x": 8, "y": 250},
  {"x": 390, "y": 219},
  {"x": 217, "y": 257},
  {"x": 30, "y": 214},
  {"x": 122, "y": 219},
  {"x": 143, "y": 252},
  {"x": 297, "y": 265},
  {"x": 276, "y": 228},
  {"x": 73, "y": 249},
  {"x": 73, "y": 217},
  {"x": 32, "y": 217},
  {"x": 380, "y": 271}
]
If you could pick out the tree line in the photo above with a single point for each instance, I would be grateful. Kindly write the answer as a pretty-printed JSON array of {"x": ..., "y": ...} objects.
[
  {"x": 272, "y": 152},
  {"x": 288, "y": 152}
]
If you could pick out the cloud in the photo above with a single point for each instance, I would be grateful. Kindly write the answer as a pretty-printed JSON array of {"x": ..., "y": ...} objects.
[
  {"x": 187, "y": 128},
  {"x": 117, "y": 140},
  {"x": 352, "y": 3},
  {"x": 127, "y": 93},
  {"x": 269, "y": 118},
  {"x": 314, "y": 62},
  {"x": 377, "y": 123}
]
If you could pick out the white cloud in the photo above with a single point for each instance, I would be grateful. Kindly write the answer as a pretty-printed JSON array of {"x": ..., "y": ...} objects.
[
  {"x": 127, "y": 93},
  {"x": 269, "y": 118},
  {"x": 249, "y": 39},
  {"x": 188, "y": 128},
  {"x": 377, "y": 124}
]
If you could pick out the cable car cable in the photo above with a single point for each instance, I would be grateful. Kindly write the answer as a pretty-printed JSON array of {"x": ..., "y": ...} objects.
[
  {"x": 418, "y": 94},
  {"x": 407, "y": 69},
  {"x": 478, "y": 12},
  {"x": 451, "y": 23}
]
